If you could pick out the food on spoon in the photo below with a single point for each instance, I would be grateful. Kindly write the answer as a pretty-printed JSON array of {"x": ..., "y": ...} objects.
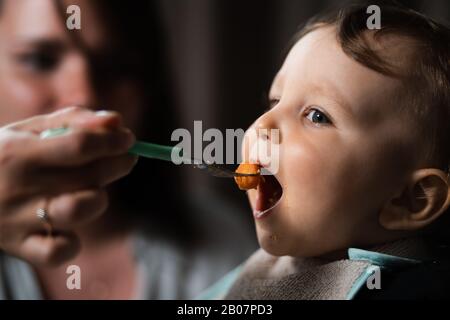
[{"x": 248, "y": 182}]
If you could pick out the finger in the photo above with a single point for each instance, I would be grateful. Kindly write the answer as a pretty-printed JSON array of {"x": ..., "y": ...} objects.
[
  {"x": 97, "y": 174},
  {"x": 46, "y": 250},
  {"x": 80, "y": 147},
  {"x": 71, "y": 117},
  {"x": 69, "y": 211},
  {"x": 103, "y": 172}
]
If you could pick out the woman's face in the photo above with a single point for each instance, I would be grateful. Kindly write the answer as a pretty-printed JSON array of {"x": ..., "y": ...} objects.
[{"x": 43, "y": 68}]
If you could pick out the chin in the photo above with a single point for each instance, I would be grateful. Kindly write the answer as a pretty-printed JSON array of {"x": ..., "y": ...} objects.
[
  {"x": 273, "y": 244},
  {"x": 273, "y": 249},
  {"x": 278, "y": 247}
]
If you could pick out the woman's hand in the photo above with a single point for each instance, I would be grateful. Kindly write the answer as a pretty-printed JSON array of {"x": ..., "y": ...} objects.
[{"x": 65, "y": 175}]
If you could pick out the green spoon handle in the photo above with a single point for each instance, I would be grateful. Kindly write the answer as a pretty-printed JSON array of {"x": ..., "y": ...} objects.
[
  {"x": 143, "y": 149},
  {"x": 153, "y": 151}
]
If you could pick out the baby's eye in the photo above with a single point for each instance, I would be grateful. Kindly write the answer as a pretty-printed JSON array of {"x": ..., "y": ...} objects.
[{"x": 317, "y": 116}]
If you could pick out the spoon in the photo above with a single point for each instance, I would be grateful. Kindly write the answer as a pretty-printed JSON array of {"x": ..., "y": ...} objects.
[{"x": 162, "y": 152}]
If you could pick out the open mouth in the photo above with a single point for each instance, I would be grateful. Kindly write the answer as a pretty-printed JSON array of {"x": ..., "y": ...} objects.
[{"x": 268, "y": 195}]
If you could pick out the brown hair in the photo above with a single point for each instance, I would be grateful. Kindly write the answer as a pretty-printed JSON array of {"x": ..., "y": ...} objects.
[{"x": 426, "y": 98}]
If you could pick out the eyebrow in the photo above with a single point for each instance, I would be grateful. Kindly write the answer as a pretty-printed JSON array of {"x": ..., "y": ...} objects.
[
  {"x": 51, "y": 44},
  {"x": 328, "y": 89},
  {"x": 324, "y": 87},
  {"x": 55, "y": 44}
]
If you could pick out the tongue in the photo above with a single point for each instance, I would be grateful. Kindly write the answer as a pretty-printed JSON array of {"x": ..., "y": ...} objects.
[{"x": 266, "y": 190}]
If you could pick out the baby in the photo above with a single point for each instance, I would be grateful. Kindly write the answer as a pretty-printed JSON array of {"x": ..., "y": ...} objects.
[{"x": 362, "y": 187}]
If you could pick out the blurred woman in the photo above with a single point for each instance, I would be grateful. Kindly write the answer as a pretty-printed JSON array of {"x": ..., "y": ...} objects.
[{"x": 55, "y": 192}]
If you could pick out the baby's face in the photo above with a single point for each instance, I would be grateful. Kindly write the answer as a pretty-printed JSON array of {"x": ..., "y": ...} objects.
[{"x": 345, "y": 150}]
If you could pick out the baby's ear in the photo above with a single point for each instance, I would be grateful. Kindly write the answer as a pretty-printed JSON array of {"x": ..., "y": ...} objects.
[{"x": 423, "y": 200}]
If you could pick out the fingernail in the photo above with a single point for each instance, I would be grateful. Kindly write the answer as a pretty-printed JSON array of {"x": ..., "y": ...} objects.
[{"x": 103, "y": 113}]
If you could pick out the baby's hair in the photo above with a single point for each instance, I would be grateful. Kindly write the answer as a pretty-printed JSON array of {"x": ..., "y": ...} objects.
[{"x": 426, "y": 80}]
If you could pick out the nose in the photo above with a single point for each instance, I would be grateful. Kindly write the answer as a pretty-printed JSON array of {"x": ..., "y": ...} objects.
[
  {"x": 267, "y": 127},
  {"x": 262, "y": 137},
  {"x": 74, "y": 85}
]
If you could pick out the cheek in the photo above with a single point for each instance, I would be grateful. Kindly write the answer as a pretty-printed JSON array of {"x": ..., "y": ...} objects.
[
  {"x": 340, "y": 190},
  {"x": 316, "y": 192},
  {"x": 314, "y": 177},
  {"x": 339, "y": 173},
  {"x": 21, "y": 99}
]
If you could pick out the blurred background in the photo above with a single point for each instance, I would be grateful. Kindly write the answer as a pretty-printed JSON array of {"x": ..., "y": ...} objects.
[{"x": 223, "y": 55}]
